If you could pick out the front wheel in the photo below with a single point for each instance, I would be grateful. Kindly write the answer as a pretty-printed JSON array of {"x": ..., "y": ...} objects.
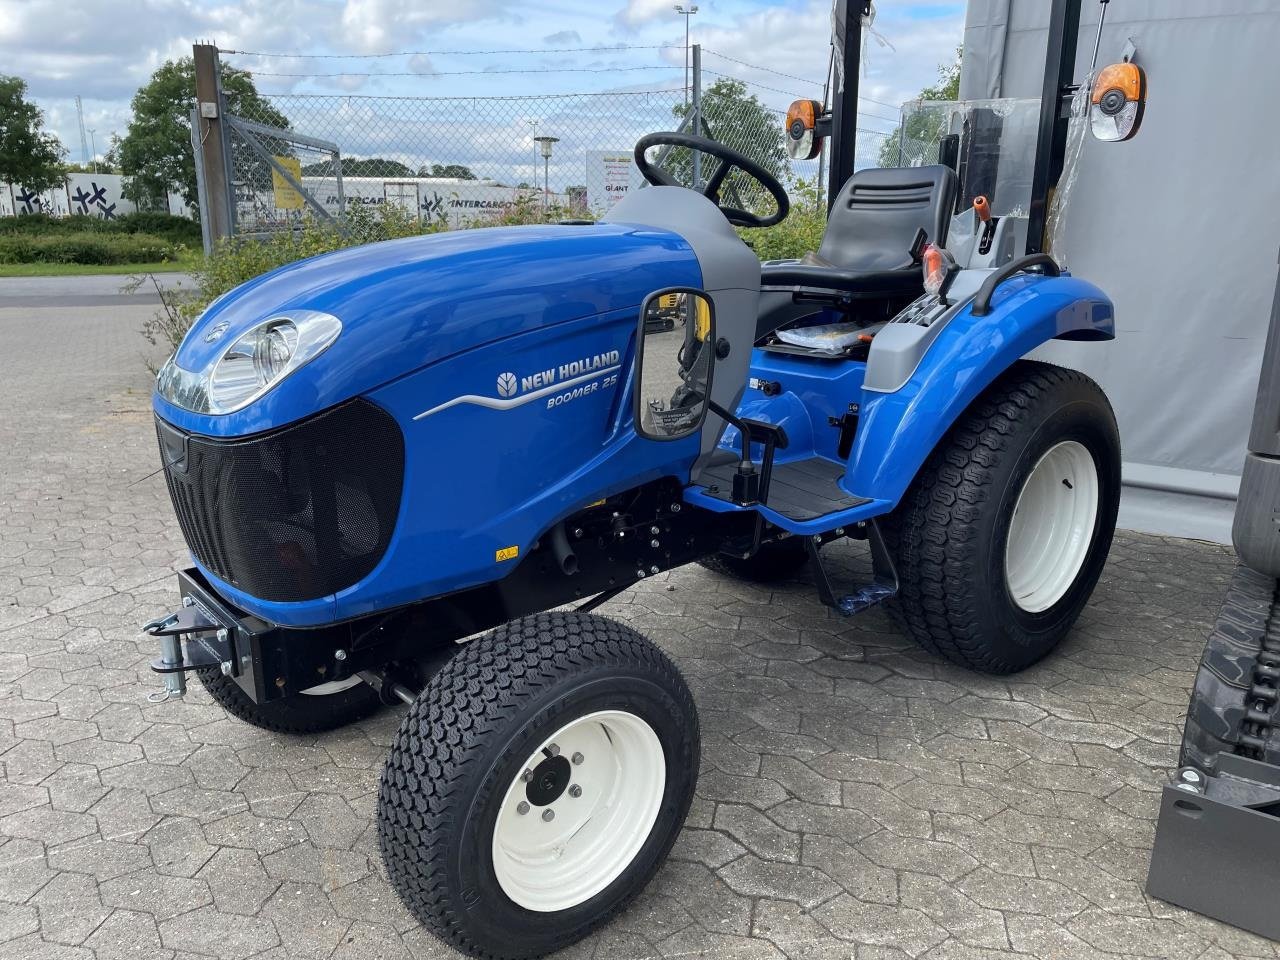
[
  {"x": 1002, "y": 536},
  {"x": 537, "y": 783},
  {"x": 324, "y": 707}
]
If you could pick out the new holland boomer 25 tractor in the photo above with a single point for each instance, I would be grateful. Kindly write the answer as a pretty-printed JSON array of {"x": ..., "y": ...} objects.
[{"x": 379, "y": 453}]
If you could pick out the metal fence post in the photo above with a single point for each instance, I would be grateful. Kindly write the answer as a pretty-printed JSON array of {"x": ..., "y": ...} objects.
[
  {"x": 211, "y": 136},
  {"x": 697, "y": 113}
]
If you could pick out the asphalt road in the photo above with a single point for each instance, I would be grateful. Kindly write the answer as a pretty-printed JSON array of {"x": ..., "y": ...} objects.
[{"x": 858, "y": 798}]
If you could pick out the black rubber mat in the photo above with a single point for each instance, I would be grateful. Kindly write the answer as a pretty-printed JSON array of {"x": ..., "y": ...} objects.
[{"x": 800, "y": 490}]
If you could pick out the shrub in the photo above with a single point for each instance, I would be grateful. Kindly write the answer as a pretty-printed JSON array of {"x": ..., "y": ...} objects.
[
  {"x": 166, "y": 225},
  {"x": 799, "y": 233},
  {"x": 87, "y": 247},
  {"x": 173, "y": 228},
  {"x": 42, "y": 223}
]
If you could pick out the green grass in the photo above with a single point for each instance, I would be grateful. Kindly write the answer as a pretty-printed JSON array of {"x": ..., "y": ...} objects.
[{"x": 82, "y": 269}]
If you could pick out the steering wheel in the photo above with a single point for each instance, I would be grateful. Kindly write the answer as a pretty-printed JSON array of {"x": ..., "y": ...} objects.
[{"x": 729, "y": 158}]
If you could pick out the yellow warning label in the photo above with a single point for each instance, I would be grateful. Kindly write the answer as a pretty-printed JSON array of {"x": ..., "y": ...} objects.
[
  {"x": 506, "y": 553},
  {"x": 287, "y": 198}
]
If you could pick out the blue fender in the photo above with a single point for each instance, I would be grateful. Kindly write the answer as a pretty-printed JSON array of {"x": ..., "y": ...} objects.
[{"x": 897, "y": 431}]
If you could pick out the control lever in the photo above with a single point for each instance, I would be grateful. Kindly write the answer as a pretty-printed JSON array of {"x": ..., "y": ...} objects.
[{"x": 982, "y": 209}]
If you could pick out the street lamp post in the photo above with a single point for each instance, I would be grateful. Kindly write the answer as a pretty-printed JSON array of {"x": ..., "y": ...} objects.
[
  {"x": 545, "y": 142},
  {"x": 686, "y": 12},
  {"x": 93, "y": 147},
  {"x": 533, "y": 127}
]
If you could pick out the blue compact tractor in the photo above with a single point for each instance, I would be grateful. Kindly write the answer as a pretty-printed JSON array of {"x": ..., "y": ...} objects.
[{"x": 409, "y": 471}]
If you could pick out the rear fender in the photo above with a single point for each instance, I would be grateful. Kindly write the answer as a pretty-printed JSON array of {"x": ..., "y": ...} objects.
[{"x": 900, "y": 424}]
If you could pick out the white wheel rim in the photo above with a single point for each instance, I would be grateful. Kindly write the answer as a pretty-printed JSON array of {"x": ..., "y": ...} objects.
[
  {"x": 553, "y": 864},
  {"x": 1052, "y": 527},
  {"x": 332, "y": 687}
]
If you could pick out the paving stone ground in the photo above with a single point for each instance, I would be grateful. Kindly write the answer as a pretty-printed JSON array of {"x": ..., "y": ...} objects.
[{"x": 858, "y": 798}]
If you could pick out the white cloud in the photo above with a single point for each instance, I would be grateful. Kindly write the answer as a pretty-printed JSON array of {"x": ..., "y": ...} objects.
[
  {"x": 92, "y": 48},
  {"x": 639, "y": 12}
]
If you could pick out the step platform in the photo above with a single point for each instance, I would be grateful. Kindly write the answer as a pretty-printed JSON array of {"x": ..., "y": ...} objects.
[{"x": 799, "y": 490}]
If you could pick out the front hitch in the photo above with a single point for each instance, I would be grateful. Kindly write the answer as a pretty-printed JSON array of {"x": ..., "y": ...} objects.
[{"x": 209, "y": 643}]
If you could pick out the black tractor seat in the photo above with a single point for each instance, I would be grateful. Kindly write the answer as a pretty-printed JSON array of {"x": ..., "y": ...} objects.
[{"x": 866, "y": 249}]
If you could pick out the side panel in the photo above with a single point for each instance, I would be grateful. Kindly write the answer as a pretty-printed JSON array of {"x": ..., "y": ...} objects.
[
  {"x": 897, "y": 431},
  {"x": 500, "y": 443}
]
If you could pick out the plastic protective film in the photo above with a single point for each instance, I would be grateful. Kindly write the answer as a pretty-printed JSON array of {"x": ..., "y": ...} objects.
[
  {"x": 993, "y": 143},
  {"x": 1055, "y": 227}
]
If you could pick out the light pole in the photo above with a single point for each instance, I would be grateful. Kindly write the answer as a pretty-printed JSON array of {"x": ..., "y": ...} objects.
[
  {"x": 546, "y": 143},
  {"x": 686, "y": 12},
  {"x": 533, "y": 128},
  {"x": 93, "y": 147}
]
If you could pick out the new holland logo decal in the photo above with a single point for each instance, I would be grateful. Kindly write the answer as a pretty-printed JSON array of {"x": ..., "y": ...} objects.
[{"x": 559, "y": 385}]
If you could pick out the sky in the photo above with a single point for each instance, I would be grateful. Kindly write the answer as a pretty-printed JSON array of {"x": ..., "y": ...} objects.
[{"x": 103, "y": 50}]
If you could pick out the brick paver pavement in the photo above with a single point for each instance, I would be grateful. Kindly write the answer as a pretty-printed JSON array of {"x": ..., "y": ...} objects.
[{"x": 858, "y": 798}]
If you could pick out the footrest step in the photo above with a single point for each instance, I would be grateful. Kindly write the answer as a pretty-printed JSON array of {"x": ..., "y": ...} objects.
[{"x": 865, "y": 597}]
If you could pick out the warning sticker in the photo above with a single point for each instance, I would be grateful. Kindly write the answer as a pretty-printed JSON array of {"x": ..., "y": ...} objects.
[{"x": 506, "y": 553}]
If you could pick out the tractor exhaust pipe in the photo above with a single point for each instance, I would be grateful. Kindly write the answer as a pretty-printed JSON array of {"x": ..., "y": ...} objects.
[{"x": 560, "y": 549}]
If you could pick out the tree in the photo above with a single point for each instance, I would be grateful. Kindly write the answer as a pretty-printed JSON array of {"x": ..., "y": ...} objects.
[
  {"x": 155, "y": 154},
  {"x": 917, "y": 139},
  {"x": 455, "y": 171},
  {"x": 360, "y": 167},
  {"x": 29, "y": 157},
  {"x": 738, "y": 120}
]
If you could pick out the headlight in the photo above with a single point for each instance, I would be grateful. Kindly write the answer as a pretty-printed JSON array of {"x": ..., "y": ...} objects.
[{"x": 252, "y": 365}]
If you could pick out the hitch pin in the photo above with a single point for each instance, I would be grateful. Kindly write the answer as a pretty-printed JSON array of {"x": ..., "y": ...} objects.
[{"x": 175, "y": 681}]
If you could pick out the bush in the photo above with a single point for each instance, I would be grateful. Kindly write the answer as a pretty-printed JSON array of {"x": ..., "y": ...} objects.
[
  {"x": 799, "y": 233},
  {"x": 42, "y": 223},
  {"x": 172, "y": 228},
  {"x": 87, "y": 247},
  {"x": 166, "y": 225}
]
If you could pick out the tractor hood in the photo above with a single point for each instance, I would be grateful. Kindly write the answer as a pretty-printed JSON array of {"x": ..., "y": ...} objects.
[{"x": 404, "y": 304}]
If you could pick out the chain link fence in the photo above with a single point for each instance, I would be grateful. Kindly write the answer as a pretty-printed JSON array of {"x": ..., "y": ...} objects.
[{"x": 452, "y": 162}]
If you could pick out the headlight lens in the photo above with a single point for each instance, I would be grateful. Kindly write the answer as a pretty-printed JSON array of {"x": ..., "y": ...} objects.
[{"x": 252, "y": 365}]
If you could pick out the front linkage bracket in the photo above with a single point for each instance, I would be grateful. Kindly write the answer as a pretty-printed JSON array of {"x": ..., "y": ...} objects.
[{"x": 208, "y": 644}]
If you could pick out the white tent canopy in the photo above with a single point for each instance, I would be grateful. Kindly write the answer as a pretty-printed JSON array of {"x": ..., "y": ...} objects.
[{"x": 1179, "y": 226}]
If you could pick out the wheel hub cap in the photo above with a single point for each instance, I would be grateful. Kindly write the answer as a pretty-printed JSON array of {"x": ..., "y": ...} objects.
[{"x": 550, "y": 780}]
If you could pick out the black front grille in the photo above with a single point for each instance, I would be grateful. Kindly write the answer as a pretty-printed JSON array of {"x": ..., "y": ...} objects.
[{"x": 293, "y": 514}]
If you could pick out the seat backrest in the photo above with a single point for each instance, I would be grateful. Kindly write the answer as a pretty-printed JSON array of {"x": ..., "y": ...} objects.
[{"x": 878, "y": 212}]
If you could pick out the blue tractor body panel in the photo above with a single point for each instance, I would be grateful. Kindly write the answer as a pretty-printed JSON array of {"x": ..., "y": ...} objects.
[
  {"x": 430, "y": 324},
  {"x": 406, "y": 304},
  {"x": 506, "y": 358},
  {"x": 898, "y": 430}
]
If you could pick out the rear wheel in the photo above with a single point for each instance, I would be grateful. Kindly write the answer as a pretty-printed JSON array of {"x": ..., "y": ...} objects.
[
  {"x": 537, "y": 784},
  {"x": 325, "y": 707},
  {"x": 779, "y": 560},
  {"x": 1002, "y": 536}
]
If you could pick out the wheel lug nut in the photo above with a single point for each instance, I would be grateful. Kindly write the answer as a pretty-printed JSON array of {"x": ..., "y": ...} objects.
[
  {"x": 527, "y": 776},
  {"x": 522, "y": 808},
  {"x": 578, "y": 758},
  {"x": 575, "y": 791},
  {"x": 548, "y": 815},
  {"x": 553, "y": 750}
]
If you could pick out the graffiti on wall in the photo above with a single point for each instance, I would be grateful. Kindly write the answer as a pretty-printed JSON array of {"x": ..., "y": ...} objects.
[{"x": 86, "y": 194}]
